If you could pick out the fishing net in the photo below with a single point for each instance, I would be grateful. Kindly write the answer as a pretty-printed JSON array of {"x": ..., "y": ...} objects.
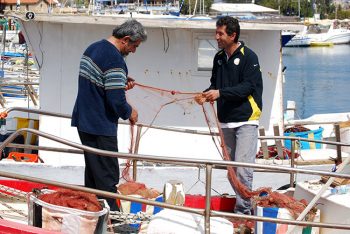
[
  {"x": 72, "y": 199},
  {"x": 297, "y": 128},
  {"x": 162, "y": 107},
  {"x": 273, "y": 153},
  {"x": 135, "y": 188}
]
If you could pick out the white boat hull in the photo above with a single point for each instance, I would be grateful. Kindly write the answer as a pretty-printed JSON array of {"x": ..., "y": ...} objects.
[
  {"x": 332, "y": 36},
  {"x": 334, "y": 208}
]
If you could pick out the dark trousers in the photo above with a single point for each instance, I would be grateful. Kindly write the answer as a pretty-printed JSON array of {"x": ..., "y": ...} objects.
[{"x": 101, "y": 172}]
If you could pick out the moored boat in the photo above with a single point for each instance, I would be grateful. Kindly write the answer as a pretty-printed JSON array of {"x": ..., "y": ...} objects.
[
  {"x": 321, "y": 35},
  {"x": 168, "y": 68}
]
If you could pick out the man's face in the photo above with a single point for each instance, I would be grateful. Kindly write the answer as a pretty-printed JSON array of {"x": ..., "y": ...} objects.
[
  {"x": 130, "y": 46},
  {"x": 224, "y": 41}
]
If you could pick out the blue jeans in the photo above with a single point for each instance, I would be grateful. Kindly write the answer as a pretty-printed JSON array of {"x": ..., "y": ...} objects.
[{"x": 241, "y": 143}]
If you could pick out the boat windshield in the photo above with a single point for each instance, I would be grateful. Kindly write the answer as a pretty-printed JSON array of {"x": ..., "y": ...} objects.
[{"x": 317, "y": 28}]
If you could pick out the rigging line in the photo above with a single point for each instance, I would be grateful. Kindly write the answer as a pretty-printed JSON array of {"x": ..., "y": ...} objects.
[
  {"x": 16, "y": 192},
  {"x": 13, "y": 209},
  {"x": 163, "y": 40},
  {"x": 212, "y": 45},
  {"x": 168, "y": 40},
  {"x": 41, "y": 50},
  {"x": 40, "y": 64},
  {"x": 166, "y": 90}
]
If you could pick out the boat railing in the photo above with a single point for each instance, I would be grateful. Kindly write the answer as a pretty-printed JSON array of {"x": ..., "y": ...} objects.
[
  {"x": 336, "y": 127},
  {"x": 209, "y": 165},
  {"x": 277, "y": 138},
  {"x": 13, "y": 88}
]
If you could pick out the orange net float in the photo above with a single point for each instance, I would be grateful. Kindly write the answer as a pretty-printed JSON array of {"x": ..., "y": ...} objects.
[{"x": 23, "y": 157}]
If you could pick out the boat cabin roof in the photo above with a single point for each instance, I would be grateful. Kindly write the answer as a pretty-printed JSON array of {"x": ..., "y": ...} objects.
[{"x": 171, "y": 23}]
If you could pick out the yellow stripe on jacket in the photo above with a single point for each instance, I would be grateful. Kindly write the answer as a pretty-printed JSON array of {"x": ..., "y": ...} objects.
[{"x": 256, "y": 110}]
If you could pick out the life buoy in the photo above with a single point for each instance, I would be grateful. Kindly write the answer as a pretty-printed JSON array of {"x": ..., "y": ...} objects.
[{"x": 23, "y": 157}]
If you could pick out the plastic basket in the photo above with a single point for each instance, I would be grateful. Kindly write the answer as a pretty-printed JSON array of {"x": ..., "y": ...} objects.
[
  {"x": 64, "y": 219},
  {"x": 313, "y": 134}
]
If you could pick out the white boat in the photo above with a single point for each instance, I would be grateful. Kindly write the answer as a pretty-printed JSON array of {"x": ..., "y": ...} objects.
[
  {"x": 177, "y": 56},
  {"x": 322, "y": 34},
  {"x": 11, "y": 35},
  {"x": 299, "y": 40},
  {"x": 286, "y": 36}
]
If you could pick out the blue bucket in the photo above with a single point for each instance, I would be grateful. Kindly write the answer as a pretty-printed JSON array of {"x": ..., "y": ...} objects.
[{"x": 313, "y": 134}]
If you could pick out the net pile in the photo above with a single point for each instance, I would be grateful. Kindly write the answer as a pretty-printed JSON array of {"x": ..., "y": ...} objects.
[
  {"x": 72, "y": 199},
  {"x": 157, "y": 107},
  {"x": 297, "y": 128},
  {"x": 273, "y": 153},
  {"x": 135, "y": 188}
]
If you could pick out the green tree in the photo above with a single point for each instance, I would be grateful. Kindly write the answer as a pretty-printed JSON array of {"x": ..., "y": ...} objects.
[
  {"x": 290, "y": 7},
  {"x": 186, "y": 6}
]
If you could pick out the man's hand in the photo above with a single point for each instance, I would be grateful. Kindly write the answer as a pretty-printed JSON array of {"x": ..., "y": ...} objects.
[
  {"x": 200, "y": 99},
  {"x": 212, "y": 95},
  {"x": 130, "y": 83},
  {"x": 133, "y": 117}
]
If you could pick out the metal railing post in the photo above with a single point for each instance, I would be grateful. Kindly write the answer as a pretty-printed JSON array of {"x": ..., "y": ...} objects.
[
  {"x": 337, "y": 137},
  {"x": 136, "y": 150},
  {"x": 208, "y": 174},
  {"x": 292, "y": 164},
  {"x": 264, "y": 146}
]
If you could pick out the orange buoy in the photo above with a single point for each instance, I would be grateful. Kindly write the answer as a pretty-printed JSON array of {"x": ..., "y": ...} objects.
[{"x": 23, "y": 157}]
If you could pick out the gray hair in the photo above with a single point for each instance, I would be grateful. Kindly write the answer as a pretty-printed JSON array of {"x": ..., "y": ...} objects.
[{"x": 131, "y": 28}]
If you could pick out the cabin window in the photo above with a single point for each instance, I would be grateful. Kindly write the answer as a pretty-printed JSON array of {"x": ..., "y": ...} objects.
[{"x": 207, "y": 48}]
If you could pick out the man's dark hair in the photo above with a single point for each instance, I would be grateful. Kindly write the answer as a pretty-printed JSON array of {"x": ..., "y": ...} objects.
[
  {"x": 232, "y": 26},
  {"x": 131, "y": 28}
]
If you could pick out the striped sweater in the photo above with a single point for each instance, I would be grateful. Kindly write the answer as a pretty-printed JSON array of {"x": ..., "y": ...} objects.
[{"x": 101, "y": 97}]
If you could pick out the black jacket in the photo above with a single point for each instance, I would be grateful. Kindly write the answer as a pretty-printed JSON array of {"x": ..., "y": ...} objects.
[{"x": 239, "y": 82}]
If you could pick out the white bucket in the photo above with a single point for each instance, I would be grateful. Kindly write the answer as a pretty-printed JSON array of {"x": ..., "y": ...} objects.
[
  {"x": 66, "y": 220},
  {"x": 174, "y": 193}
]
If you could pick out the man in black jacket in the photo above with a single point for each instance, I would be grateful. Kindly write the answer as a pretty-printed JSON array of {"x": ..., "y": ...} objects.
[{"x": 236, "y": 85}]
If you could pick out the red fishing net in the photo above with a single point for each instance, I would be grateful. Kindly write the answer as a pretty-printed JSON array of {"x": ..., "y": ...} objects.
[
  {"x": 134, "y": 188},
  {"x": 273, "y": 153},
  {"x": 161, "y": 107},
  {"x": 72, "y": 199}
]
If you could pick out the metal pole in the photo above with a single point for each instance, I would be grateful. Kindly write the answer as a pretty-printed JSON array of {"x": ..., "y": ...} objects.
[
  {"x": 166, "y": 159},
  {"x": 208, "y": 174},
  {"x": 291, "y": 183},
  {"x": 319, "y": 194},
  {"x": 137, "y": 145},
  {"x": 337, "y": 137}
]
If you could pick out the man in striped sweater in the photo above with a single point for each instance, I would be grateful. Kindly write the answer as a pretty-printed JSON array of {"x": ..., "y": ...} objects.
[{"x": 101, "y": 101}]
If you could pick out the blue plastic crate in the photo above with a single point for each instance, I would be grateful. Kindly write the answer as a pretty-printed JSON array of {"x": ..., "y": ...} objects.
[{"x": 313, "y": 134}]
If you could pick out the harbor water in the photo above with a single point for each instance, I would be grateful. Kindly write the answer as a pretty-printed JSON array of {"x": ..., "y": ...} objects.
[{"x": 317, "y": 79}]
